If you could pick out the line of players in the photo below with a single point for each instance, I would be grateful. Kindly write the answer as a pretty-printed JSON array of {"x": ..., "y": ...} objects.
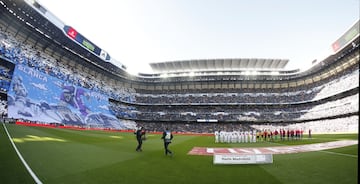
[
  {"x": 235, "y": 137},
  {"x": 253, "y": 135}
]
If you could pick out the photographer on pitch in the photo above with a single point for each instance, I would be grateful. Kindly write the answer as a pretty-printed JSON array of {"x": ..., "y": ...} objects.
[
  {"x": 167, "y": 137},
  {"x": 140, "y": 136}
]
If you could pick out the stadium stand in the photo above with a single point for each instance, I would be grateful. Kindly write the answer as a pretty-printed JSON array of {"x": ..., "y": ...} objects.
[
  {"x": 3, "y": 106},
  {"x": 324, "y": 98}
]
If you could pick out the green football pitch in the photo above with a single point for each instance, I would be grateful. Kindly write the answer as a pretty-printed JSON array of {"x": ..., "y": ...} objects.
[{"x": 57, "y": 155}]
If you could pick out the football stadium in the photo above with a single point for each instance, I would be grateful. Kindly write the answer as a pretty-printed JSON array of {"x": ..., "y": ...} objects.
[{"x": 69, "y": 114}]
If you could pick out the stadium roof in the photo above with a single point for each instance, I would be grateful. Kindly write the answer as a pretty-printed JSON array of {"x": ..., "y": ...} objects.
[{"x": 219, "y": 65}]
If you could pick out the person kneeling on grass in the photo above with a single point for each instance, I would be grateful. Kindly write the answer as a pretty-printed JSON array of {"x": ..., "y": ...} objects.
[{"x": 167, "y": 137}]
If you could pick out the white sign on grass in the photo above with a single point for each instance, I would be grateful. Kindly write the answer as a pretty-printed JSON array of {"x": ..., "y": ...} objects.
[{"x": 243, "y": 159}]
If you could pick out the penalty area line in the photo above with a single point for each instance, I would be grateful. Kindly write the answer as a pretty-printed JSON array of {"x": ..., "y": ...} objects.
[
  {"x": 36, "y": 179},
  {"x": 341, "y": 154}
]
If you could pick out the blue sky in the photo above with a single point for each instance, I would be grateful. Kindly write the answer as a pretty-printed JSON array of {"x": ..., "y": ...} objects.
[{"x": 138, "y": 32}]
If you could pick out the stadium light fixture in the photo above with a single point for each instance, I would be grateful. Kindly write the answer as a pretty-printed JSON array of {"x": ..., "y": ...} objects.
[
  {"x": 164, "y": 75},
  {"x": 274, "y": 73},
  {"x": 31, "y": 1}
]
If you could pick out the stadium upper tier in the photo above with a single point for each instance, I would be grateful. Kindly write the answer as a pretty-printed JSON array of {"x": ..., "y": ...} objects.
[{"x": 219, "y": 65}]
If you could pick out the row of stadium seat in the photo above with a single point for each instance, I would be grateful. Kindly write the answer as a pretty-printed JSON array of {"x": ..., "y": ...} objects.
[{"x": 22, "y": 53}]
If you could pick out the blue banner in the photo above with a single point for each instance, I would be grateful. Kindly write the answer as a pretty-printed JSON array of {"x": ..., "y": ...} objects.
[{"x": 36, "y": 96}]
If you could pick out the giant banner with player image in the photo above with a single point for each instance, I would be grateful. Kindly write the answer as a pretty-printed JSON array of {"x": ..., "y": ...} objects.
[{"x": 36, "y": 96}]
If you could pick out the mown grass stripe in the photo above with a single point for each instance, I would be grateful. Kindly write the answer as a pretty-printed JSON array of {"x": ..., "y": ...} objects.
[{"x": 33, "y": 175}]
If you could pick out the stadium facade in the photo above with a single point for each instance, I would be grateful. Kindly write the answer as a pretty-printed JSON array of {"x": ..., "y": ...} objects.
[{"x": 50, "y": 73}]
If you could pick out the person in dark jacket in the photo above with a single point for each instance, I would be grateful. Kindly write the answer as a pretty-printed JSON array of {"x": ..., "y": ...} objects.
[
  {"x": 140, "y": 136},
  {"x": 167, "y": 137}
]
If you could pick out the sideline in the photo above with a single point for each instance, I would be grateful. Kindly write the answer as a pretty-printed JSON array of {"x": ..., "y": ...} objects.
[{"x": 36, "y": 179}]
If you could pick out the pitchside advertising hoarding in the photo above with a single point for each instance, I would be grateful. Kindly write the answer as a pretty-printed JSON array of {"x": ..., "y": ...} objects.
[{"x": 36, "y": 96}]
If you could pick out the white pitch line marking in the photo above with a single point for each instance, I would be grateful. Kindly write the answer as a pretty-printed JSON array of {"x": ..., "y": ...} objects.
[
  {"x": 341, "y": 154},
  {"x": 37, "y": 180}
]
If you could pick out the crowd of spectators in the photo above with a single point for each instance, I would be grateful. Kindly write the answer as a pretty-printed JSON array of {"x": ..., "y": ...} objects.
[
  {"x": 343, "y": 83},
  {"x": 223, "y": 113},
  {"x": 247, "y": 105},
  {"x": 193, "y": 127},
  {"x": 5, "y": 79},
  {"x": 342, "y": 106},
  {"x": 3, "y": 108},
  {"x": 122, "y": 110},
  {"x": 338, "y": 125},
  {"x": 348, "y": 124},
  {"x": 22, "y": 53},
  {"x": 339, "y": 84},
  {"x": 276, "y": 105}
]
